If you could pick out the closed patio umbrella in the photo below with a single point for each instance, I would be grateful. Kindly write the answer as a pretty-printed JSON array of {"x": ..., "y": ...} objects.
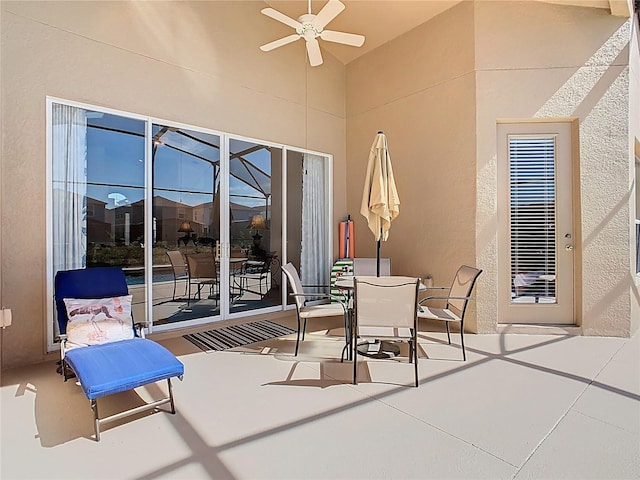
[{"x": 380, "y": 201}]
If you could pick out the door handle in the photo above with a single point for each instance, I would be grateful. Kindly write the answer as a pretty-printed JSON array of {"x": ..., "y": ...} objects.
[{"x": 568, "y": 247}]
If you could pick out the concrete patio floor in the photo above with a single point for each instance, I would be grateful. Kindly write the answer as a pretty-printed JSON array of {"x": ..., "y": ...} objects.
[{"x": 521, "y": 406}]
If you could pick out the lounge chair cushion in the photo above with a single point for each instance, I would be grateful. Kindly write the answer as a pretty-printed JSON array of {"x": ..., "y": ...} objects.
[
  {"x": 119, "y": 366},
  {"x": 97, "y": 321}
]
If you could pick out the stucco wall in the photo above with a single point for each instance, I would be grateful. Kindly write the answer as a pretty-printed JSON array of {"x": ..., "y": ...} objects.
[
  {"x": 191, "y": 62},
  {"x": 538, "y": 60},
  {"x": 420, "y": 90},
  {"x": 438, "y": 91}
]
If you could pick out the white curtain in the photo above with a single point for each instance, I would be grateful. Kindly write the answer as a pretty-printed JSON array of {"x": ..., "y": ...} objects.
[
  {"x": 313, "y": 256},
  {"x": 69, "y": 156}
]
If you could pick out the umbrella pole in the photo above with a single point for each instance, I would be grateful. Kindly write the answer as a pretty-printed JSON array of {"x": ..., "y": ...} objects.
[{"x": 378, "y": 259}]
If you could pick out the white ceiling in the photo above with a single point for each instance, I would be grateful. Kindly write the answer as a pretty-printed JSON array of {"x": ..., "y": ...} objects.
[{"x": 383, "y": 20}]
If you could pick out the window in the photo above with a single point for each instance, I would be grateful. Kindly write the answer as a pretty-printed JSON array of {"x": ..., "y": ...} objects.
[
  {"x": 127, "y": 191},
  {"x": 533, "y": 216}
]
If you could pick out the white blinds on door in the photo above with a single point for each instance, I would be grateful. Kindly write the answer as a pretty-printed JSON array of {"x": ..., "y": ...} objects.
[{"x": 532, "y": 172}]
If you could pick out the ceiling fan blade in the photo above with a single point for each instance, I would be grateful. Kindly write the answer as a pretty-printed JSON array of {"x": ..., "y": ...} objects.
[
  {"x": 352, "y": 39},
  {"x": 313, "y": 50},
  {"x": 280, "y": 42},
  {"x": 328, "y": 13},
  {"x": 281, "y": 17}
]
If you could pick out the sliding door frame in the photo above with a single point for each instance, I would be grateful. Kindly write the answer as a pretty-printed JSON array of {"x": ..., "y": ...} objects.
[{"x": 148, "y": 215}]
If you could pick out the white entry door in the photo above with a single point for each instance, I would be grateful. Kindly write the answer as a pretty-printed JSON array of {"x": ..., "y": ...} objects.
[{"x": 535, "y": 218}]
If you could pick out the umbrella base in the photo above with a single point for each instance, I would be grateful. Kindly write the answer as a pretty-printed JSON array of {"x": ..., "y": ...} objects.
[{"x": 379, "y": 349}]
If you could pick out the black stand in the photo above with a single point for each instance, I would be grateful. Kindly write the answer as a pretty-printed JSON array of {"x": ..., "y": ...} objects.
[{"x": 384, "y": 350}]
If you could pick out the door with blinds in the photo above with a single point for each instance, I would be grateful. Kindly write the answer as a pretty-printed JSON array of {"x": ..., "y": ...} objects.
[{"x": 535, "y": 212}]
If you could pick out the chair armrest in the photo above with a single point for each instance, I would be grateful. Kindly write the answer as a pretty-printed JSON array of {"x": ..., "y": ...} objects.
[
  {"x": 139, "y": 327},
  {"x": 443, "y": 298},
  {"x": 62, "y": 338},
  {"x": 321, "y": 295},
  {"x": 437, "y": 288}
]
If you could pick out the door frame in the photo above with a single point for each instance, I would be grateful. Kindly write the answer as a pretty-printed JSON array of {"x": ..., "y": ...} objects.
[{"x": 504, "y": 306}]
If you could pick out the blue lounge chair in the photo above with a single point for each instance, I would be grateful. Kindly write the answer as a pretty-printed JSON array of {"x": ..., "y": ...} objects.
[{"x": 107, "y": 368}]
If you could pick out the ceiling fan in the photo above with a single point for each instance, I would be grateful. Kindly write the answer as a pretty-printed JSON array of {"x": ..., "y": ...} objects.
[{"x": 310, "y": 26}]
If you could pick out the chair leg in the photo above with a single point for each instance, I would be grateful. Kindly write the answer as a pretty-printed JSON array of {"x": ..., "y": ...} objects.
[
  {"x": 173, "y": 407},
  {"x": 347, "y": 338},
  {"x": 415, "y": 357},
  {"x": 96, "y": 419},
  {"x": 304, "y": 329},
  {"x": 355, "y": 358},
  {"x": 297, "y": 338},
  {"x": 448, "y": 333},
  {"x": 410, "y": 351},
  {"x": 464, "y": 354}
]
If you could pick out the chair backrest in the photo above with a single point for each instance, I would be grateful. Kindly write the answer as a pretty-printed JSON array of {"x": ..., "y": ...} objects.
[
  {"x": 177, "y": 263},
  {"x": 369, "y": 266},
  {"x": 386, "y": 301},
  {"x": 202, "y": 265},
  {"x": 462, "y": 286},
  {"x": 294, "y": 282},
  {"x": 98, "y": 282}
]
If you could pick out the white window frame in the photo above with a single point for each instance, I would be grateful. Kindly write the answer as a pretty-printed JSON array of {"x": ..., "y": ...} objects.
[{"x": 148, "y": 215}]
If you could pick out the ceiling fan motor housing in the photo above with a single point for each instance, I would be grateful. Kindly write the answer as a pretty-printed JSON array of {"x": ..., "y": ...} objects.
[{"x": 308, "y": 30}]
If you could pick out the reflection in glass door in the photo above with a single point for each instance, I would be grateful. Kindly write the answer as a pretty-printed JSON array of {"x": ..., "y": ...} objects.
[
  {"x": 255, "y": 236},
  {"x": 186, "y": 225},
  {"x": 97, "y": 196}
]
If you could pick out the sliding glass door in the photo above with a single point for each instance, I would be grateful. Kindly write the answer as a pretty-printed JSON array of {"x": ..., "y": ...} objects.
[
  {"x": 199, "y": 221},
  {"x": 97, "y": 196},
  {"x": 186, "y": 224},
  {"x": 255, "y": 225}
]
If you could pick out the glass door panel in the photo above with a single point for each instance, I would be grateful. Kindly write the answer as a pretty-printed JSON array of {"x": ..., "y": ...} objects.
[
  {"x": 533, "y": 218},
  {"x": 255, "y": 225},
  {"x": 98, "y": 195},
  {"x": 186, "y": 225}
]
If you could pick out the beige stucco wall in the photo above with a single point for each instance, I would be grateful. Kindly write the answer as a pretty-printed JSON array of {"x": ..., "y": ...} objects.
[
  {"x": 191, "y": 62},
  {"x": 438, "y": 92},
  {"x": 420, "y": 90},
  {"x": 548, "y": 61}
]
